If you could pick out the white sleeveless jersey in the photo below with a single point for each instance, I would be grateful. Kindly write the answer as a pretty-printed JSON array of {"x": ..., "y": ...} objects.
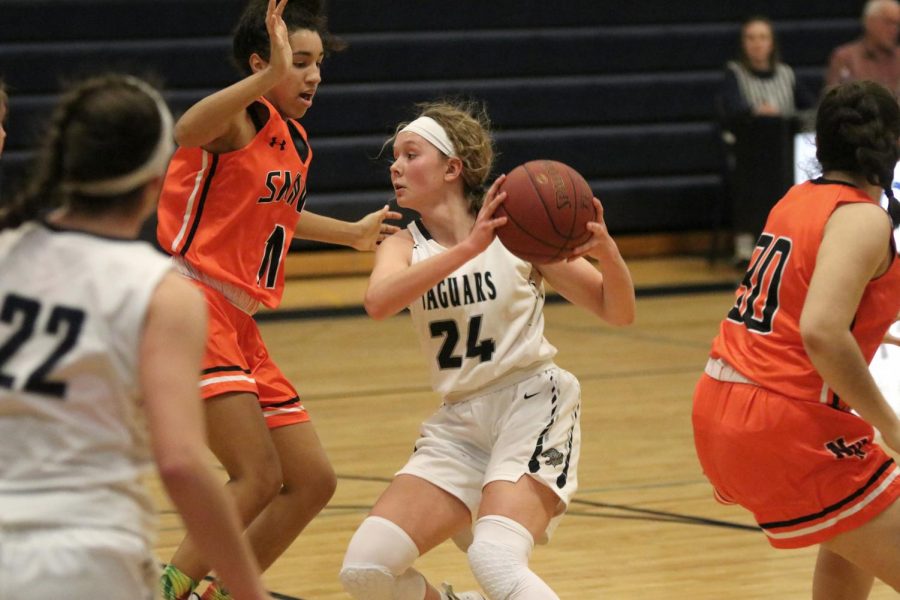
[
  {"x": 73, "y": 442},
  {"x": 483, "y": 325}
]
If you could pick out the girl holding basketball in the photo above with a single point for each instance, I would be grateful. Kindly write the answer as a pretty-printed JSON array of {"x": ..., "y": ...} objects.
[
  {"x": 232, "y": 200},
  {"x": 503, "y": 448},
  {"x": 783, "y": 416}
]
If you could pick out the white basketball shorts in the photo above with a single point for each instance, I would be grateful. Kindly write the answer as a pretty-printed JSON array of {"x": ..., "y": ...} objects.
[
  {"x": 64, "y": 562},
  {"x": 528, "y": 428}
]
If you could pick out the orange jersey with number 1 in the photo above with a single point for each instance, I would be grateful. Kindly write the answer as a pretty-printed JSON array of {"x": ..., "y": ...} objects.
[
  {"x": 232, "y": 216},
  {"x": 760, "y": 337}
]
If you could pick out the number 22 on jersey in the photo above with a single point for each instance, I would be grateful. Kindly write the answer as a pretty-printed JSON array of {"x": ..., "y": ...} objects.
[
  {"x": 21, "y": 314},
  {"x": 758, "y": 295}
]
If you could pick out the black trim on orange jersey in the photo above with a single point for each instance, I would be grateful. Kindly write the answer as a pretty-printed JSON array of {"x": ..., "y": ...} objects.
[
  {"x": 300, "y": 142},
  {"x": 227, "y": 368},
  {"x": 294, "y": 400},
  {"x": 196, "y": 223},
  {"x": 423, "y": 230},
  {"x": 824, "y": 181},
  {"x": 253, "y": 112},
  {"x": 835, "y": 398},
  {"x": 830, "y": 509},
  {"x": 301, "y": 203}
]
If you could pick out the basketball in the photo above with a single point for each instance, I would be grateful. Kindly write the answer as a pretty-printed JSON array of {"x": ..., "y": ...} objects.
[{"x": 548, "y": 205}]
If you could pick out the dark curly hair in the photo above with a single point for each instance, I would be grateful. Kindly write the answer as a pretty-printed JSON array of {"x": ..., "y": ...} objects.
[
  {"x": 857, "y": 130},
  {"x": 252, "y": 37}
]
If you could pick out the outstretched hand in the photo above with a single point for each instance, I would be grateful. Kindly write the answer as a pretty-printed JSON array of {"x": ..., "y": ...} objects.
[
  {"x": 280, "y": 54},
  {"x": 373, "y": 229},
  {"x": 486, "y": 224},
  {"x": 601, "y": 243}
]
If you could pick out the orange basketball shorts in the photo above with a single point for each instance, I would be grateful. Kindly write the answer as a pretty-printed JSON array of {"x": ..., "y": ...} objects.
[
  {"x": 805, "y": 470},
  {"x": 236, "y": 360}
]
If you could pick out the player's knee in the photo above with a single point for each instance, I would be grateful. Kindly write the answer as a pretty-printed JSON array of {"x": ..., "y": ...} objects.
[
  {"x": 379, "y": 552},
  {"x": 312, "y": 484},
  {"x": 313, "y": 492},
  {"x": 367, "y": 581},
  {"x": 499, "y": 555},
  {"x": 256, "y": 477},
  {"x": 254, "y": 490},
  {"x": 322, "y": 488},
  {"x": 265, "y": 483}
]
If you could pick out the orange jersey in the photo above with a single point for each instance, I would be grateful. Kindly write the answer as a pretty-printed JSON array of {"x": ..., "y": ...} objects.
[
  {"x": 760, "y": 337},
  {"x": 231, "y": 216}
]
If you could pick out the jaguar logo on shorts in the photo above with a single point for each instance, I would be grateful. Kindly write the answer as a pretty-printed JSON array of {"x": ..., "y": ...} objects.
[
  {"x": 842, "y": 450},
  {"x": 554, "y": 457}
]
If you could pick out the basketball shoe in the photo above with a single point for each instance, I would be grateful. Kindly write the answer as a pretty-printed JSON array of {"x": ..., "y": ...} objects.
[
  {"x": 175, "y": 585},
  {"x": 214, "y": 591}
]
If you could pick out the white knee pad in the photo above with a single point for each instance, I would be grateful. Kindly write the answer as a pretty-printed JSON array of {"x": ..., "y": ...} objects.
[
  {"x": 499, "y": 560},
  {"x": 367, "y": 582},
  {"x": 377, "y": 562}
]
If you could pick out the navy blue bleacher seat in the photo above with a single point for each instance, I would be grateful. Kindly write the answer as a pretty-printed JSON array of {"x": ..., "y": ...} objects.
[{"x": 622, "y": 92}]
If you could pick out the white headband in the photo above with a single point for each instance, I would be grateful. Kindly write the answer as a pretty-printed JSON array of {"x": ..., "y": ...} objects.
[
  {"x": 153, "y": 167},
  {"x": 432, "y": 131}
]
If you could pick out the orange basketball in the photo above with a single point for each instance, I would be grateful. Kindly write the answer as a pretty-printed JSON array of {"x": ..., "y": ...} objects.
[{"x": 548, "y": 206}]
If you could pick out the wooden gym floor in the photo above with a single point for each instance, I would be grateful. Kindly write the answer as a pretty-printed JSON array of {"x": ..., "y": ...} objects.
[{"x": 643, "y": 524}]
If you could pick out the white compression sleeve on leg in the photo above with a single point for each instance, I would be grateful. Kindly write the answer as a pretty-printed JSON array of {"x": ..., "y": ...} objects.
[
  {"x": 377, "y": 560},
  {"x": 499, "y": 560}
]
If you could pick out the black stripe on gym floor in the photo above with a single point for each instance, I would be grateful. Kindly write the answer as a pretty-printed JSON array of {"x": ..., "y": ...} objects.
[{"x": 326, "y": 312}]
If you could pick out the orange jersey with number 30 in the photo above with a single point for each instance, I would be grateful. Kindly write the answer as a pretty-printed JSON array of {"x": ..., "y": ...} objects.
[
  {"x": 232, "y": 216},
  {"x": 760, "y": 337}
]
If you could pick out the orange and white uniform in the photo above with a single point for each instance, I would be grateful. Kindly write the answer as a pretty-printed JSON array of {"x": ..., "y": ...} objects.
[
  {"x": 769, "y": 432},
  {"x": 228, "y": 220}
]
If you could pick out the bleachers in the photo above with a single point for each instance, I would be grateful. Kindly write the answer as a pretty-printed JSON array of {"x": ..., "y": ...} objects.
[{"x": 623, "y": 95}]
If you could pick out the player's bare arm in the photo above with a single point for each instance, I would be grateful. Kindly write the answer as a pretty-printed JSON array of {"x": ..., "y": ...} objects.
[
  {"x": 606, "y": 290},
  {"x": 363, "y": 235},
  {"x": 219, "y": 123},
  {"x": 395, "y": 283},
  {"x": 174, "y": 416},
  {"x": 849, "y": 257}
]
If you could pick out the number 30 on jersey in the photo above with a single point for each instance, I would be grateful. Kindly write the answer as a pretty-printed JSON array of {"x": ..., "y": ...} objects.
[{"x": 758, "y": 294}]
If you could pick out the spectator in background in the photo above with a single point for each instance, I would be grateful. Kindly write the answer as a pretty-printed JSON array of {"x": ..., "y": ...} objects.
[
  {"x": 757, "y": 85},
  {"x": 875, "y": 55}
]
